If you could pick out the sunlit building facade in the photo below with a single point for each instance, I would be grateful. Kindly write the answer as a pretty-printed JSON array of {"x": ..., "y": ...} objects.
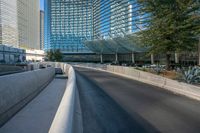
[
  {"x": 8, "y": 23},
  {"x": 41, "y": 30},
  {"x": 19, "y": 23},
  {"x": 28, "y": 14}
]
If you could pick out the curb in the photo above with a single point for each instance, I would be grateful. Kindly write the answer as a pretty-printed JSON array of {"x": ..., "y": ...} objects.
[{"x": 187, "y": 90}]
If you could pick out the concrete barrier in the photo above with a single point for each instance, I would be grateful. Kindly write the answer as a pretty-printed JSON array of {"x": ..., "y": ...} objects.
[
  {"x": 68, "y": 116},
  {"x": 17, "y": 90}
]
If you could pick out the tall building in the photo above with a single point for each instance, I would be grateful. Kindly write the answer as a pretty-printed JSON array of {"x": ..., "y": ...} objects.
[
  {"x": 8, "y": 23},
  {"x": 19, "y": 23},
  {"x": 112, "y": 18},
  {"x": 28, "y": 14},
  {"x": 41, "y": 30},
  {"x": 68, "y": 23}
]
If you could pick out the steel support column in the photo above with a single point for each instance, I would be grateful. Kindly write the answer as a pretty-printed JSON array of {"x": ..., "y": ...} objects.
[
  {"x": 133, "y": 57},
  {"x": 116, "y": 58},
  {"x": 101, "y": 58},
  {"x": 152, "y": 59}
]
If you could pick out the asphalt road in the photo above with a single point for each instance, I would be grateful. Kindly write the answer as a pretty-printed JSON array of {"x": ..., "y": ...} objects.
[{"x": 114, "y": 104}]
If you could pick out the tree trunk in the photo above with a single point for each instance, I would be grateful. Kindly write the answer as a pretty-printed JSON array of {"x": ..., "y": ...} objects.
[{"x": 168, "y": 61}]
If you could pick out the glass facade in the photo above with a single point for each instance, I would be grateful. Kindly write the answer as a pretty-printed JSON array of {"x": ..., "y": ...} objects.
[
  {"x": 19, "y": 23},
  {"x": 111, "y": 18},
  {"x": 8, "y": 23},
  {"x": 41, "y": 30},
  {"x": 70, "y": 23},
  {"x": 137, "y": 18},
  {"x": 28, "y": 14}
]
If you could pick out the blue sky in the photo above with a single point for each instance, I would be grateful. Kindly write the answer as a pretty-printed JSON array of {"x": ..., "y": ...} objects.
[{"x": 42, "y": 4}]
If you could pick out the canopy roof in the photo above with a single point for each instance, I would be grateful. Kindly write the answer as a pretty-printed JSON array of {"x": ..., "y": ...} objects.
[{"x": 125, "y": 44}]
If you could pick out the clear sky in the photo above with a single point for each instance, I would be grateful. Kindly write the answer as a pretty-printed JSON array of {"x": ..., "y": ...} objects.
[{"x": 42, "y": 4}]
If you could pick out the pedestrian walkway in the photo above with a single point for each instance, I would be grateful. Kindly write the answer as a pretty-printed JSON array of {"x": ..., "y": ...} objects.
[{"x": 38, "y": 115}]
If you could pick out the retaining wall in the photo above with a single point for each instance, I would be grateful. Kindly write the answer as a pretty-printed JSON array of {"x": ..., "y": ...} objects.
[{"x": 16, "y": 90}]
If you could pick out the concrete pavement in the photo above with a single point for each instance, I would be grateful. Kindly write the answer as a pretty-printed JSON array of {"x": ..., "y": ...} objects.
[
  {"x": 38, "y": 115},
  {"x": 112, "y": 103}
]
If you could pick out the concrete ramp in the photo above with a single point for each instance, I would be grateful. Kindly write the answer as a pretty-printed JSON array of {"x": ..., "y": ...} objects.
[{"x": 38, "y": 115}]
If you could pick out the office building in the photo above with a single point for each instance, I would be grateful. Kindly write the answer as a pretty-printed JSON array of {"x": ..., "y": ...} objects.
[
  {"x": 19, "y": 29},
  {"x": 111, "y": 18},
  {"x": 28, "y": 14},
  {"x": 8, "y": 23},
  {"x": 68, "y": 23},
  {"x": 41, "y": 30},
  {"x": 19, "y": 23}
]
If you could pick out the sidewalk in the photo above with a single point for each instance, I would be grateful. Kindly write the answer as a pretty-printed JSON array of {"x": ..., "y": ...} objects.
[{"x": 38, "y": 115}]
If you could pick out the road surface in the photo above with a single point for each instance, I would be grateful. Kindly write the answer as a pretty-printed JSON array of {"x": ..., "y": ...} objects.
[{"x": 115, "y": 104}]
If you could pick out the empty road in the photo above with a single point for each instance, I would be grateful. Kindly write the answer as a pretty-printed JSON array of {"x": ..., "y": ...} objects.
[{"x": 115, "y": 104}]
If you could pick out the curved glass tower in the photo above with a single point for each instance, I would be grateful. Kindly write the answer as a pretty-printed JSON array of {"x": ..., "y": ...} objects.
[
  {"x": 113, "y": 18},
  {"x": 68, "y": 23}
]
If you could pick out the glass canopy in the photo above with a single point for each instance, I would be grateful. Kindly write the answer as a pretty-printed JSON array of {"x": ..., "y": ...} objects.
[{"x": 121, "y": 44}]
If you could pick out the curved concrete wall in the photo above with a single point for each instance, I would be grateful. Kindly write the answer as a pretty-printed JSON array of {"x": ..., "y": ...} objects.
[
  {"x": 66, "y": 118},
  {"x": 17, "y": 90}
]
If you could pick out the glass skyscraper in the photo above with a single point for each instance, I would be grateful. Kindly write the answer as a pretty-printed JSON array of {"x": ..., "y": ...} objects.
[
  {"x": 19, "y": 23},
  {"x": 41, "y": 30},
  {"x": 112, "y": 18},
  {"x": 28, "y": 14},
  {"x": 8, "y": 23},
  {"x": 69, "y": 23}
]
